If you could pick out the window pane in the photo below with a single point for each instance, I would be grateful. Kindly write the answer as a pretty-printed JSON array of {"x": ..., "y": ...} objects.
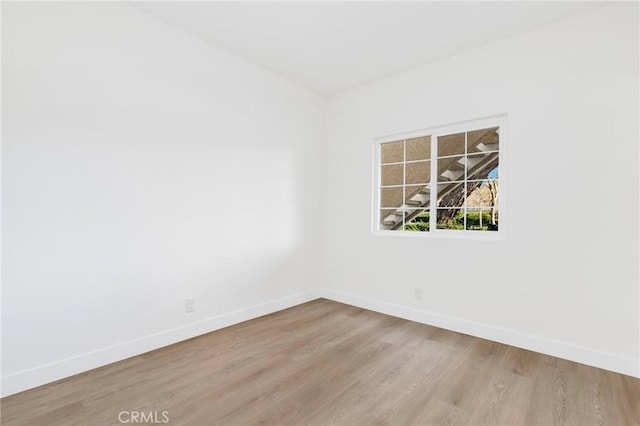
[
  {"x": 391, "y": 197},
  {"x": 418, "y": 172},
  {"x": 452, "y": 195},
  {"x": 483, "y": 140},
  {"x": 483, "y": 166},
  {"x": 419, "y": 148},
  {"x": 392, "y": 152},
  {"x": 391, "y": 175},
  {"x": 418, "y": 224},
  {"x": 450, "y": 219},
  {"x": 390, "y": 218},
  {"x": 482, "y": 219},
  {"x": 451, "y": 169},
  {"x": 451, "y": 145},
  {"x": 483, "y": 193},
  {"x": 417, "y": 195}
]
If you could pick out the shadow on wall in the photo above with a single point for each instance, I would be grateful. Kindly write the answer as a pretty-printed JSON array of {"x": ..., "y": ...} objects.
[{"x": 217, "y": 225}]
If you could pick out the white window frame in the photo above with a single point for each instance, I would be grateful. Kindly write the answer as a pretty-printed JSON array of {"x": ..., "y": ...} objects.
[{"x": 435, "y": 132}]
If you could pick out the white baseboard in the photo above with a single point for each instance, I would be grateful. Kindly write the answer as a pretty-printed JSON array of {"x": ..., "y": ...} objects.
[
  {"x": 27, "y": 379},
  {"x": 604, "y": 360}
]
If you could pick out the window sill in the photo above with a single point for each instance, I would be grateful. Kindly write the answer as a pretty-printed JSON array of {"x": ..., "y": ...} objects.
[{"x": 444, "y": 235}]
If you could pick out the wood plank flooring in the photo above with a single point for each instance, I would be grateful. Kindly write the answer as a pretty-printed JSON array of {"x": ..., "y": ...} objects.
[{"x": 325, "y": 363}]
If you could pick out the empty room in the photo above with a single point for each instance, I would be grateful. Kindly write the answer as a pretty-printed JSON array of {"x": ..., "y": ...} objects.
[{"x": 320, "y": 213}]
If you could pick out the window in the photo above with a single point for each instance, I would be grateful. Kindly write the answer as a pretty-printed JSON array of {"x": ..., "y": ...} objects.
[{"x": 444, "y": 181}]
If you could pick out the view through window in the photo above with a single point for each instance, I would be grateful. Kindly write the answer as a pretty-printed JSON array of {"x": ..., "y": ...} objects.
[{"x": 447, "y": 181}]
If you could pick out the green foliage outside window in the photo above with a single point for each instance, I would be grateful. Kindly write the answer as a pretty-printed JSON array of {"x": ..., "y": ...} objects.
[{"x": 421, "y": 222}]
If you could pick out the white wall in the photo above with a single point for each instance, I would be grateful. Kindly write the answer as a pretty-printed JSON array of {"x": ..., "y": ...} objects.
[
  {"x": 565, "y": 280},
  {"x": 142, "y": 166}
]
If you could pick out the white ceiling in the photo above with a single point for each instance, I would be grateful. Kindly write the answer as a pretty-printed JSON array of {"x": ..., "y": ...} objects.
[{"x": 332, "y": 46}]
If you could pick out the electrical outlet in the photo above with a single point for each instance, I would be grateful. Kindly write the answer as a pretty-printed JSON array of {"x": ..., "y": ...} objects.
[
  {"x": 417, "y": 293},
  {"x": 190, "y": 305}
]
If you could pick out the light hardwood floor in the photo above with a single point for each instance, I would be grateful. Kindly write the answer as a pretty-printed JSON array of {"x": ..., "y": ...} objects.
[{"x": 324, "y": 363}]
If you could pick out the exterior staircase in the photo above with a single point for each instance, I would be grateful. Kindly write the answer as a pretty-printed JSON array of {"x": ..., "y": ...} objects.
[{"x": 416, "y": 202}]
